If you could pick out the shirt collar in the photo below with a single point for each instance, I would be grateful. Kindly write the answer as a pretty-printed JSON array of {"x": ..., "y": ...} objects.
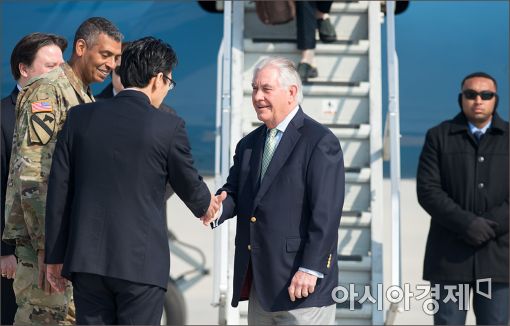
[
  {"x": 19, "y": 87},
  {"x": 473, "y": 128},
  {"x": 282, "y": 126}
]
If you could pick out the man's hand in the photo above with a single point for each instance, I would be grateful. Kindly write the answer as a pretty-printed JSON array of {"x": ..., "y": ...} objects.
[
  {"x": 214, "y": 207},
  {"x": 42, "y": 283},
  {"x": 302, "y": 285},
  {"x": 480, "y": 230},
  {"x": 8, "y": 266},
  {"x": 54, "y": 277}
]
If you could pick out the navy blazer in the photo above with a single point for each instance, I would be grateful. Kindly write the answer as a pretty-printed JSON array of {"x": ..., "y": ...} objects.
[
  {"x": 105, "y": 211},
  {"x": 8, "y": 120},
  {"x": 291, "y": 219}
]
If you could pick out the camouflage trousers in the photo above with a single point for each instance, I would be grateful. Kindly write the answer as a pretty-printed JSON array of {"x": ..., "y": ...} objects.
[{"x": 35, "y": 307}]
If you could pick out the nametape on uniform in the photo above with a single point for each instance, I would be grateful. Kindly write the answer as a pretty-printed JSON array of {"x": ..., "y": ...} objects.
[
  {"x": 41, "y": 106},
  {"x": 43, "y": 124}
]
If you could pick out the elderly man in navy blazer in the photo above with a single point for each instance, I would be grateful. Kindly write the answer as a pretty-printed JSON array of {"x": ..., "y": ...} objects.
[
  {"x": 286, "y": 188},
  {"x": 105, "y": 213}
]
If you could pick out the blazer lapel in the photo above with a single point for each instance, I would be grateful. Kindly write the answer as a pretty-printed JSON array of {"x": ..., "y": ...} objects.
[
  {"x": 282, "y": 153},
  {"x": 256, "y": 158}
]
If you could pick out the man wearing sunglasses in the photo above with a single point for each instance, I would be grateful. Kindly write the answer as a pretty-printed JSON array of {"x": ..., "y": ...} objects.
[{"x": 462, "y": 183}]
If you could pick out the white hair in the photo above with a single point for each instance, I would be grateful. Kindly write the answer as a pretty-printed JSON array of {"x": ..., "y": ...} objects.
[{"x": 287, "y": 76}]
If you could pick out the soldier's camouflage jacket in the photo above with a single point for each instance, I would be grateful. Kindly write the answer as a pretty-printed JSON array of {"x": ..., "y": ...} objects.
[{"x": 41, "y": 110}]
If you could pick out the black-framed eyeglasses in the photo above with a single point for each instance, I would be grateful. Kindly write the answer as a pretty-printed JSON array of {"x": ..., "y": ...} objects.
[
  {"x": 485, "y": 95},
  {"x": 171, "y": 81}
]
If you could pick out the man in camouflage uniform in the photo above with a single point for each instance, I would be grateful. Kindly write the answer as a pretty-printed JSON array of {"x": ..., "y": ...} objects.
[
  {"x": 41, "y": 110},
  {"x": 34, "y": 55}
]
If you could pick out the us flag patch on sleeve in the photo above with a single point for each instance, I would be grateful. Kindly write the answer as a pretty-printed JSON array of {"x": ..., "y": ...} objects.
[{"x": 41, "y": 106}]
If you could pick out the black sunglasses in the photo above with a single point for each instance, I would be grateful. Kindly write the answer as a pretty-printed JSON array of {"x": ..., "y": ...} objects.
[{"x": 485, "y": 95}]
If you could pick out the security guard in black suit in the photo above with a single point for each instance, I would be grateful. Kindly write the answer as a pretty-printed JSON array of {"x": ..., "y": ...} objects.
[{"x": 105, "y": 216}]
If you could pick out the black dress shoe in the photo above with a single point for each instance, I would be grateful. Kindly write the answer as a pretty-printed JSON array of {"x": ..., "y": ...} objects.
[
  {"x": 306, "y": 71},
  {"x": 327, "y": 32}
]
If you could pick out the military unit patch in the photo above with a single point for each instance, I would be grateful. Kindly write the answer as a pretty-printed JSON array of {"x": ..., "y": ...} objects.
[
  {"x": 43, "y": 124},
  {"x": 41, "y": 106}
]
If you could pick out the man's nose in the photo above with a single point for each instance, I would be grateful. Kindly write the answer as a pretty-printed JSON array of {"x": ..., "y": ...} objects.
[
  {"x": 111, "y": 63},
  {"x": 257, "y": 94}
]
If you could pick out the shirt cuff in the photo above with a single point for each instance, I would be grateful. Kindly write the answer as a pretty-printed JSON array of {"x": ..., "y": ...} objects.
[
  {"x": 309, "y": 271},
  {"x": 214, "y": 223}
]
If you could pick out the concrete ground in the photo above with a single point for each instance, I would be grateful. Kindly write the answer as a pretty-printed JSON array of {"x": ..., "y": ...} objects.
[{"x": 415, "y": 224}]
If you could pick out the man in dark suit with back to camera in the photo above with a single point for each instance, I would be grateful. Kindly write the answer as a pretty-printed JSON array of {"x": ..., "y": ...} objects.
[
  {"x": 287, "y": 189},
  {"x": 462, "y": 183},
  {"x": 105, "y": 217}
]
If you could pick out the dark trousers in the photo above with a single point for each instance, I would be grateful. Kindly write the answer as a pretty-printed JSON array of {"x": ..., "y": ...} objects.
[
  {"x": 102, "y": 300},
  {"x": 8, "y": 299},
  {"x": 306, "y": 24},
  {"x": 493, "y": 311}
]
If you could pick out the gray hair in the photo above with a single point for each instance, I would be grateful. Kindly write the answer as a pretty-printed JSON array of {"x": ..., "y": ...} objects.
[{"x": 288, "y": 74}]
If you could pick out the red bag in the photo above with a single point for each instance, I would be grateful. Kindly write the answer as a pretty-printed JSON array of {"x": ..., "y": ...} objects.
[{"x": 275, "y": 12}]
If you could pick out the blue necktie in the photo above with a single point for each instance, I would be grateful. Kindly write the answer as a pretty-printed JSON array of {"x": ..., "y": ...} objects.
[
  {"x": 269, "y": 149},
  {"x": 478, "y": 135}
]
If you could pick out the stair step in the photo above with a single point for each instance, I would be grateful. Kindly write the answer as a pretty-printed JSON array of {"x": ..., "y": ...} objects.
[
  {"x": 350, "y": 21},
  {"x": 360, "y": 47},
  {"x": 362, "y": 221},
  {"x": 349, "y": 7},
  {"x": 362, "y": 132},
  {"x": 332, "y": 67},
  {"x": 353, "y": 243},
  {"x": 322, "y": 87},
  {"x": 336, "y": 7},
  {"x": 355, "y": 263},
  {"x": 359, "y": 177}
]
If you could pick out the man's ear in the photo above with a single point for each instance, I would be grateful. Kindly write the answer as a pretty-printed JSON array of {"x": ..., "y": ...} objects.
[
  {"x": 23, "y": 70},
  {"x": 80, "y": 47},
  {"x": 293, "y": 93},
  {"x": 157, "y": 82}
]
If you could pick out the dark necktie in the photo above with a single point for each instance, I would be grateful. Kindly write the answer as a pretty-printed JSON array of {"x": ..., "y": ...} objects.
[{"x": 478, "y": 135}]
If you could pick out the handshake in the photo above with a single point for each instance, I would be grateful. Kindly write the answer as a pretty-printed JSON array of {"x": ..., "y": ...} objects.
[{"x": 213, "y": 212}]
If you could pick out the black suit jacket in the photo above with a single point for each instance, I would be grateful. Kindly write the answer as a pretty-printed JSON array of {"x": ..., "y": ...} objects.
[
  {"x": 105, "y": 211},
  {"x": 107, "y": 92},
  {"x": 291, "y": 218},
  {"x": 8, "y": 120}
]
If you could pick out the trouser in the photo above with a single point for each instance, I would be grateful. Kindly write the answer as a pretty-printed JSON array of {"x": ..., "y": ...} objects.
[
  {"x": 102, "y": 300},
  {"x": 452, "y": 310},
  {"x": 302, "y": 316},
  {"x": 8, "y": 302},
  {"x": 306, "y": 24},
  {"x": 34, "y": 305}
]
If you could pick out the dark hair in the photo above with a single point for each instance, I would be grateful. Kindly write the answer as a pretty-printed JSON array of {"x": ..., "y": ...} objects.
[
  {"x": 92, "y": 27},
  {"x": 26, "y": 49},
  {"x": 479, "y": 74},
  {"x": 143, "y": 59},
  {"x": 125, "y": 44}
]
